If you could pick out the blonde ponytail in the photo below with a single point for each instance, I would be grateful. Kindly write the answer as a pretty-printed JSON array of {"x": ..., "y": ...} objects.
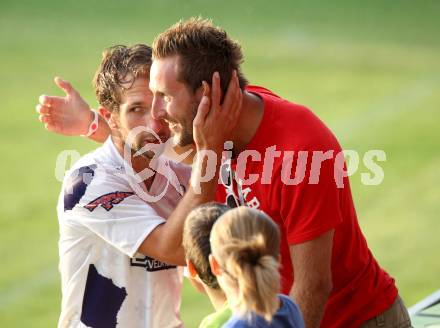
[{"x": 246, "y": 244}]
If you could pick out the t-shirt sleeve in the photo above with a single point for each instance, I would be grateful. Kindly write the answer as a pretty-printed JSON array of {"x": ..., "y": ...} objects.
[
  {"x": 217, "y": 319},
  {"x": 110, "y": 209},
  {"x": 311, "y": 207}
]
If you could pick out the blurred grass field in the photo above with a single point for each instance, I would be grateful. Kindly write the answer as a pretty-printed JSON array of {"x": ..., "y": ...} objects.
[{"x": 370, "y": 70}]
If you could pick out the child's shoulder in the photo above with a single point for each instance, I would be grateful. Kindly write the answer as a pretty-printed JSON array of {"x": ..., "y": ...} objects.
[
  {"x": 217, "y": 319},
  {"x": 290, "y": 309}
]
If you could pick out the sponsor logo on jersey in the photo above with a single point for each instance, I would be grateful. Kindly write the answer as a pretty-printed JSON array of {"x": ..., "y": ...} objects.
[
  {"x": 150, "y": 264},
  {"x": 108, "y": 200}
]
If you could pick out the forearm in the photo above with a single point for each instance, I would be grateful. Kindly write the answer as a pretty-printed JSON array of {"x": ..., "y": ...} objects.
[
  {"x": 167, "y": 240},
  {"x": 312, "y": 302},
  {"x": 103, "y": 131},
  {"x": 199, "y": 192},
  {"x": 169, "y": 254}
]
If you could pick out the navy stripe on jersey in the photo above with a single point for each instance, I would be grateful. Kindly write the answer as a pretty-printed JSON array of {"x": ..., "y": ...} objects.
[
  {"x": 102, "y": 301},
  {"x": 76, "y": 185}
]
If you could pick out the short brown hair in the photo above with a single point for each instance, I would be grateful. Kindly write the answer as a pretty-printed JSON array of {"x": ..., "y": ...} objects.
[
  {"x": 196, "y": 232},
  {"x": 202, "y": 49},
  {"x": 120, "y": 65}
]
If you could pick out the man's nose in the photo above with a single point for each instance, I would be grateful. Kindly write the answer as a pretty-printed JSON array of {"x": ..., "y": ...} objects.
[
  {"x": 158, "y": 126},
  {"x": 158, "y": 111}
]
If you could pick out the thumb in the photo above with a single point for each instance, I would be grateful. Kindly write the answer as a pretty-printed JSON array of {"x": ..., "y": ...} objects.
[
  {"x": 202, "y": 112},
  {"x": 206, "y": 89},
  {"x": 65, "y": 86}
]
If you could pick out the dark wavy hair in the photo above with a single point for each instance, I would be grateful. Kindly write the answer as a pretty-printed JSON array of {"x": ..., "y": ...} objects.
[{"x": 120, "y": 65}]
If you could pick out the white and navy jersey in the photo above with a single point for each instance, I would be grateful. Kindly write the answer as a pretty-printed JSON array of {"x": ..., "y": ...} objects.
[{"x": 103, "y": 220}]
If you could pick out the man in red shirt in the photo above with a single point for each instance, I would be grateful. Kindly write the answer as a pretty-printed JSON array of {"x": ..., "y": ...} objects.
[{"x": 286, "y": 162}]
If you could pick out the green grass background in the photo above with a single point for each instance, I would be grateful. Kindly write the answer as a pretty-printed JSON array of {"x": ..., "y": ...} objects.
[{"x": 370, "y": 70}]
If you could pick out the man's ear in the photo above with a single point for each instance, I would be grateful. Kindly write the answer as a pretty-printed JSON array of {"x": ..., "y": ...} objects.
[
  {"x": 215, "y": 267},
  {"x": 191, "y": 269},
  {"x": 203, "y": 90},
  {"x": 110, "y": 116}
]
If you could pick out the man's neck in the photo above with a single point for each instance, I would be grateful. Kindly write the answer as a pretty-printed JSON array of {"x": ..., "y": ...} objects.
[{"x": 248, "y": 122}]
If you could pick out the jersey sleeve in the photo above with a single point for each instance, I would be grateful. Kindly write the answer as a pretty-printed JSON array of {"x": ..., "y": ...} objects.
[
  {"x": 106, "y": 206},
  {"x": 311, "y": 207}
]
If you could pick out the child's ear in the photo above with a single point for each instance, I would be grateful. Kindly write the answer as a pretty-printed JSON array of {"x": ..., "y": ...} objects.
[
  {"x": 215, "y": 267},
  {"x": 191, "y": 269}
]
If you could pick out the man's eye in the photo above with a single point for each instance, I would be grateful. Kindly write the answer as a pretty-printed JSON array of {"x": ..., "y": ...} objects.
[
  {"x": 137, "y": 109},
  {"x": 167, "y": 98}
]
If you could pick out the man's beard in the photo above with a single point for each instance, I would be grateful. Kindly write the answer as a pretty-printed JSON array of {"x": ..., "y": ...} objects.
[
  {"x": 186, "y": 137},
  {"x": 147, "y": 154},
  {"x": 153, "y": 151},
  {"x": 149, "y": 146}
]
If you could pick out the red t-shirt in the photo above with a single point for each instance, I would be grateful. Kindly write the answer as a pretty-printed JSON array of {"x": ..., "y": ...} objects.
[{"x": 307, "y": 208}]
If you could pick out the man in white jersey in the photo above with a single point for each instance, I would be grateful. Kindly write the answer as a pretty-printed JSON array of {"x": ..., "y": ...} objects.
[{"x": 120, "y": 237}]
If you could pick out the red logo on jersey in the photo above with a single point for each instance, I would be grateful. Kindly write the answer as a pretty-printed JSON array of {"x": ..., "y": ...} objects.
[{"x": 108, "y": 200}]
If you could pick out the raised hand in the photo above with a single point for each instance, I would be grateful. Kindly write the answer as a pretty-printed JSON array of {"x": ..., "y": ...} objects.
[
  {"x": 214, "y": 122},
  {"x": 69, "y": 115}
]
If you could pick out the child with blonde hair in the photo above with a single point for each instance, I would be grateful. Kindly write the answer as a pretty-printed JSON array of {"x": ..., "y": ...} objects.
[{"x": 245, "y": 245}]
